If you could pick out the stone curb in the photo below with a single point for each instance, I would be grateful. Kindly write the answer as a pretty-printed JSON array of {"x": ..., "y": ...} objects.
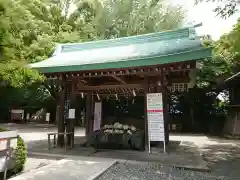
[
  {"x": 98, "y": 174},
  {"x": 193, "y": 168},
  {"x": 233, "y": 137},
  {"x": 46, "y": 155}
]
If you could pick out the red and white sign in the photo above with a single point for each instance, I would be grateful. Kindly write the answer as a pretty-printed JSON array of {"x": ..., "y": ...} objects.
[{"x": 155, "y": 117}]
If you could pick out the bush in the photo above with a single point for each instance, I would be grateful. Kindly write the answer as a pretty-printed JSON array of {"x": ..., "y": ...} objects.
[
  {"x": 2, "y": 129},
  {"x": 18, "y": 159},
  {"x": 20, "y": 156}
]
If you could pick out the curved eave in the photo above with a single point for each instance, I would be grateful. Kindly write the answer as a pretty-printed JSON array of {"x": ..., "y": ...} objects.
[{"x": 156, "y": 60}]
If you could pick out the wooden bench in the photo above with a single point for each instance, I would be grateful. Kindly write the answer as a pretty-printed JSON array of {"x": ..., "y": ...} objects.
[{"x": 55, "y": 136}]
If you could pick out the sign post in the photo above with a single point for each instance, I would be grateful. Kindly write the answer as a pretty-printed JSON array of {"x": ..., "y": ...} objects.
[{"x": 155, "y": 119}]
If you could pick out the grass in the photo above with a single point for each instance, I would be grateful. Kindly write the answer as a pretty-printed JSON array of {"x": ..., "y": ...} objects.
[{"x": 2, "y": 129}]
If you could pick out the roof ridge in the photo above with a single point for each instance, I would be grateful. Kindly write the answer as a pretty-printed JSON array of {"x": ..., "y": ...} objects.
[
  {"x": 129, "y": 37},
  {"x": 185, "y": 32}
]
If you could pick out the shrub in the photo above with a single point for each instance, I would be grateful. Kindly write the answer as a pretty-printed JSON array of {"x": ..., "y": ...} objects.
[
  {"x": 20, "y": 156},
  {"x": 2, "y": 129}
]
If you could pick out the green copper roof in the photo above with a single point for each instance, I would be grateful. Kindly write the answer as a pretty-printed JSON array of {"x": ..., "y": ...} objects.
[{"x": 143, "y": 50}]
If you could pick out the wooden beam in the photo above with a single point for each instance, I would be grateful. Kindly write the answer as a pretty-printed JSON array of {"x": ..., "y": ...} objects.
[
  {"x": 118, "y": 79},
  {"x": 145, "y": 111},
  {"x": 89, "y": 113},
  {"x": 102, "y": 87},
  {"x": 142, "y": 71}
]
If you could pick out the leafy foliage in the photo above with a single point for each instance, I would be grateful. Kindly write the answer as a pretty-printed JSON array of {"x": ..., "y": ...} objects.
[
  {"x": 15, "y": 27},
  {"x": 30, "y": 29},
  {"x": 224, "y": 8},
  {"x": 225, "y": 60},
  {"x": 132, "y": 17},
  {"x": 20, "y": 156}
]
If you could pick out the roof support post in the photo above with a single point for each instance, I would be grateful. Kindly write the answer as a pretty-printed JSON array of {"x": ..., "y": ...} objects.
[
  {"x": 70, "y": 123},
  {"x": 89, "y": 113},
  {"x": 61, "y": 125},
  {"x": 145, "y": 110},
  {"x": 165, "y": 96}
]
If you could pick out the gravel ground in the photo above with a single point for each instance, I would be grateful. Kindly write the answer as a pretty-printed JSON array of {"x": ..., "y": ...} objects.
[{"x": 123, "y": 171}]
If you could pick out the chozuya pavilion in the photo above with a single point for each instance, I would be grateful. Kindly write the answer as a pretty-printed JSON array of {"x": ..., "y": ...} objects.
[{"x": 134, "y": 66}]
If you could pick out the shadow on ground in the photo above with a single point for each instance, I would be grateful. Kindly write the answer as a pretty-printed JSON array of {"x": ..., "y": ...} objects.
[
  {"x": 179, "y": 154},
  {"x": 223, "y": 156}
]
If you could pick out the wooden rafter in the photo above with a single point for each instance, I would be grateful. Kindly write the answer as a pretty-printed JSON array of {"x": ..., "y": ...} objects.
[
  {"x": 118, "y": 79},
  {"x": 140, "y": 71},
  {"x": 102, "y": 87}
]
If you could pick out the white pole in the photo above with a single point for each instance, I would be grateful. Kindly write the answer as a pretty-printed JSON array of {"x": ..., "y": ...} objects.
[
  {"x": 149, "y": 146},
  {"x": 164, "y": 146}
]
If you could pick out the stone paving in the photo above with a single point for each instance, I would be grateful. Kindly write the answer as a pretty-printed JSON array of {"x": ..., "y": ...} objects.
[
  {"x": 74, "y": 168},
  {"x": 35, "y": 163}
]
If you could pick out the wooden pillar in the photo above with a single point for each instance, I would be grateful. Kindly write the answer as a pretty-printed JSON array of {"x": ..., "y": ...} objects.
[
  {"x": 89, "y": 113},
  {"x": 145, "y": 109},
  {"x": 165, "y": 106},
  {"x": 61, "y": 125},
  {"x": 71, "y": 122},
  {"x": 92, "y": 112}
]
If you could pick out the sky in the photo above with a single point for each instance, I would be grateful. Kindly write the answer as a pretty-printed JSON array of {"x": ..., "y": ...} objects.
[{"x": 203, "y": 13}]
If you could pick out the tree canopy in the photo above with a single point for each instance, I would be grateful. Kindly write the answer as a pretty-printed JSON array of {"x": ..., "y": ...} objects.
[
  {"x": 225, "y": 60},
  {"x": 30, "y": 30},
  {"x": 224, "y": 8}
]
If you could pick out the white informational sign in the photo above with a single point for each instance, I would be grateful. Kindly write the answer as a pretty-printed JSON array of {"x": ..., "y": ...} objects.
[
  {"x": 71, "y": 113},
  {"x": 97, "y": 116},
  {"x": 47, "y": 117},
  {"x": 155, "y": 118},
  {"x": 28, "y": 116}
]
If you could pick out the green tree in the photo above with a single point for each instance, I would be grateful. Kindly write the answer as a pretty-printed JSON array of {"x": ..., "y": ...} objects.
[
  {"x": 224, "y": 8},
  {"x": 225, "y": 60},
  {"x": 121, "y": 18},
  {"x": 15, "y": 28},
  {"x": 30, "y": 29}
]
